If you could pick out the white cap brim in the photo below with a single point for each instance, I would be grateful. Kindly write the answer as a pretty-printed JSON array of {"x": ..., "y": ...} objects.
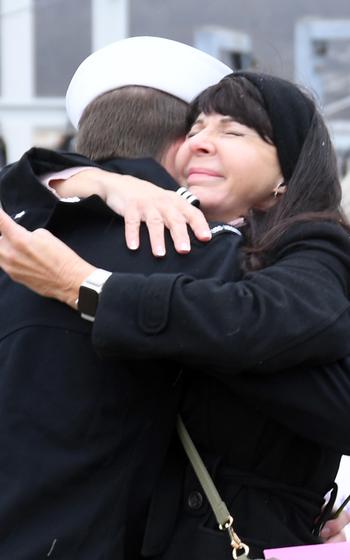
[{"x": 163, "y": 64}]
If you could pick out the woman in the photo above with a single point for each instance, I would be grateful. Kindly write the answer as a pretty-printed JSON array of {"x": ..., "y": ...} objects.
[{"x": 261, "y": 141}]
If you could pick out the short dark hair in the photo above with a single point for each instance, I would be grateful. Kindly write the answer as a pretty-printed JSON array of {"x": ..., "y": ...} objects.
[{"x": 132, "y": 121}]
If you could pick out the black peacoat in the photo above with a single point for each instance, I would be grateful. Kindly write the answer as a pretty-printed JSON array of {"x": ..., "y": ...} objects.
[{"x": 82, "y": 437}]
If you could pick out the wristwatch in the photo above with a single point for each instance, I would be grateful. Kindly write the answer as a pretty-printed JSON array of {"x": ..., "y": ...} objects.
[{"x": 89, "y": 293}]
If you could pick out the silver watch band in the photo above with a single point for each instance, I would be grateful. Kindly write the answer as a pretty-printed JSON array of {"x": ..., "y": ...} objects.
[{"x": 90, "y": 291}]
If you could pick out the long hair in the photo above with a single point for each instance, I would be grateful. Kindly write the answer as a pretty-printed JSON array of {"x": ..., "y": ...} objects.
[
  {"x": 313, "y": 193},
  {"x": 313, "y": 190}
]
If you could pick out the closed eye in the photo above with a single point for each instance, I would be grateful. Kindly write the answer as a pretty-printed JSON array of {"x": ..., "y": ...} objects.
[
  {"x": 234, "y": 133},
  {"x": 192, "y": 133}
]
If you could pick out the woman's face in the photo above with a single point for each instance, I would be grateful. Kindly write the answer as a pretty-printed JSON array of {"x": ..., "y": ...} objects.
[{"x": 228, "y": 166}]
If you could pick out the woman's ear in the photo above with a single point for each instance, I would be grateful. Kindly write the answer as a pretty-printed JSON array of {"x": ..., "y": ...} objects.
[
  {"x": 271, "y": 197},
  {"x": 280, "y": 188}
]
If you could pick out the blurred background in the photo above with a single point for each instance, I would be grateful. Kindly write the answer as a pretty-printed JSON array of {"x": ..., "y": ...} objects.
[{"x": 43, "y": 41}]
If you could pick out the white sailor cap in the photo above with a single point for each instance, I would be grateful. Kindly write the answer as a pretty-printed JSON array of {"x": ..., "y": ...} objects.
[{"x": 163, "y": 64}]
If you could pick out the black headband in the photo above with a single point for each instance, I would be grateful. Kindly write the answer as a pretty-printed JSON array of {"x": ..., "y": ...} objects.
[{"x": 290, "y": 112}]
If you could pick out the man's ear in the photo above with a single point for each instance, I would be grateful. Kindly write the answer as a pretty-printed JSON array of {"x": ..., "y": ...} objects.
[{"x": 168, "y": 158}]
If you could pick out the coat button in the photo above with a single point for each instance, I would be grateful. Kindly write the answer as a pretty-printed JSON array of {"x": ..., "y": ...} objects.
[{"x": 195, "y": 500}]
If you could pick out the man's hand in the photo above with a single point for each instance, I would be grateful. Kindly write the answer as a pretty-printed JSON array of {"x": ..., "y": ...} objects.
[
  {"x": 140, "y": 201},
  {"x": 41, "y": 262}
]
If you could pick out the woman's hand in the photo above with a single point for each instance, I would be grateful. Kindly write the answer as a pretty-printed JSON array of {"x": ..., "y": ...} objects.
[
  {"x": 41, "y": 262},
  {"x": 333, "y": 531},
  {"x": 140, "y": 201}
]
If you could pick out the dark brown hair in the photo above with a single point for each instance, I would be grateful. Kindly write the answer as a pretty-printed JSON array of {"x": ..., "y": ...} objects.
[
  {"x": 236, "y": 98},
  {"x": 314, "y": 193},
  {"x": 313, "y": 190},
  {"x": 132, "y": 121}
]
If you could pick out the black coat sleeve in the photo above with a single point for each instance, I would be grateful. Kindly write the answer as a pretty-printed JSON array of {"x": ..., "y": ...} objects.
[
  {"x": 293, "y": 312},
  {"x": 42, "y": 160}
]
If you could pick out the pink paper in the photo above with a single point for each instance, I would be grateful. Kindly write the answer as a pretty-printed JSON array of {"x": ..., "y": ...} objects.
[{"x": 334, "y": 551}]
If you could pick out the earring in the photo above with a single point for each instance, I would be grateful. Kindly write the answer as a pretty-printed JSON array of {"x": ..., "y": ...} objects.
[{"x": 279, "y": 189}]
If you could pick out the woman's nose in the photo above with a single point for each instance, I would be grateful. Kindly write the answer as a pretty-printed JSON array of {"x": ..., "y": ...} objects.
[{"x": 202, "y": 143}]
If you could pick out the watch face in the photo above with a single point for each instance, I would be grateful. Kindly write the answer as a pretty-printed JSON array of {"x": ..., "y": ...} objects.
[{"x": 88, "y": 301}]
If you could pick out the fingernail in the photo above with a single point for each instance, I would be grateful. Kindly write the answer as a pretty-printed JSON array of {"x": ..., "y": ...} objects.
[
  {"x": 185, "y": 247},
  {"x": 325, "y": 532},
  {"x": 160, "y": 252},
  {"x": 206, "y": 234},
  {"x": 133, "y": 245}
]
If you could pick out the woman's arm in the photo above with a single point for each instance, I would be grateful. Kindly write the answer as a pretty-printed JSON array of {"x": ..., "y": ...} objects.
[
  {"x": 40, "y": 261},
  {"x": 293, "y": 311}
]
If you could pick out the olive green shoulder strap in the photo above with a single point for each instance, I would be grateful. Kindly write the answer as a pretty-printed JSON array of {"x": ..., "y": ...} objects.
[{"x": 222, "y": 514}]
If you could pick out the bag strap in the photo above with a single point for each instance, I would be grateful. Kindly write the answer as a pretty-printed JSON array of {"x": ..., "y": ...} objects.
[
  {"x": 341, "y": 507},
  {"x": 222, "y": 514}
]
